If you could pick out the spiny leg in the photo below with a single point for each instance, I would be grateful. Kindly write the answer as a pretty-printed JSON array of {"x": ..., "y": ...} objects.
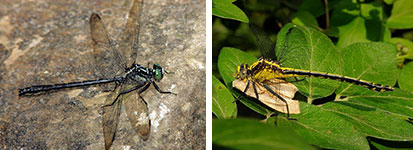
[
  {"x": 245, "y": 90},
  {"x": 297, "y": 80},
  {"x": 143, "y": 90},
  {"x": 160, "y": 91},
  {"x": 124, "y": 92},
  {"x": 281, "y": 98},
  {"x": 255, "y": 89},
  {"x": 169, "y": 72},
  {"x": 116, "y": 85}
]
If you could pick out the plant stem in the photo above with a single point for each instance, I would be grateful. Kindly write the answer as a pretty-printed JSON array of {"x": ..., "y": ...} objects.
[{"x": 327, "y": 14}]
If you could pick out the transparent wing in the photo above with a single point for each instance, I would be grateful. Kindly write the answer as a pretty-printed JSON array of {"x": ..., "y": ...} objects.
[
  {"x": 130, "y": 36},
  {"x": 283, "y": 53},
  {"x": 111, "y": 117},
  {"x": 107, "y": 60},
  {"x": 265, "y": 44},
  {"x": 138, "y": 115}
]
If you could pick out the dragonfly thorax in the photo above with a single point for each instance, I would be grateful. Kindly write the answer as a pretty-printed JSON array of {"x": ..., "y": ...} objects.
[
  {"x": 267, "y": 69},
  {"x": 261, "y": 70},
  {"x": 138, "y": 73}
]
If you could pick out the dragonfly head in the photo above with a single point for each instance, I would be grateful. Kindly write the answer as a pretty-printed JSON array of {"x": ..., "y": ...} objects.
[
  {"x": 159, "y": 71},
  {"x": 242, "y": 71}
]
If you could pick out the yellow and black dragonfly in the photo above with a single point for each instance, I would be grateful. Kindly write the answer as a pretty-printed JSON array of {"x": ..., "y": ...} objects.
[
  {"x": 262, "y": 73},
  {"x": 112, "y": 65}
]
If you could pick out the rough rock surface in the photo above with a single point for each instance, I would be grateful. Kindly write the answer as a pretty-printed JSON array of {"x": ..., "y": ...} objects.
[{"x": 48, "y": 42}]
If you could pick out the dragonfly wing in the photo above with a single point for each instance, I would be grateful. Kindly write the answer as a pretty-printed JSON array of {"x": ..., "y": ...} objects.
[
  {"x": 137, "y": 111},
  {"x": 266, "y": 46},
  {"x": 284, "y": 89},
  {"x": 130, "y": 36},
  {"x": 111, "y": 117},
  {"x": 104, "y": 52}
]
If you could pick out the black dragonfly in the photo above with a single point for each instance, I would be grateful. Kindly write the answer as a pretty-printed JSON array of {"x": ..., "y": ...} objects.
[{"x": 111, "y": 66}]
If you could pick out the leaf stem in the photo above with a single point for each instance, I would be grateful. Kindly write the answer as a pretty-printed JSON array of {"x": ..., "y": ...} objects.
[
  {"x": 309, "y": 100},
  {"x": 327, "y": 14}
]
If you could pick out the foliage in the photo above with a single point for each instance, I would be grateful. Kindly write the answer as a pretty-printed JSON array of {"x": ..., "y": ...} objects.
[{"x": 359, "y": 39}]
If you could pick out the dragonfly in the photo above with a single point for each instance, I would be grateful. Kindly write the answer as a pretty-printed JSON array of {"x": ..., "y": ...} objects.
[
  {"x": 111, "y": 64},
  {"x": 268, "y": 68}
]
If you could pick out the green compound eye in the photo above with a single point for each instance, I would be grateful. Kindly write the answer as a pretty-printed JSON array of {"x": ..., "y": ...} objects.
[
  {"x": 158, "y": 74},
  {"x": 158, "y": 71}
]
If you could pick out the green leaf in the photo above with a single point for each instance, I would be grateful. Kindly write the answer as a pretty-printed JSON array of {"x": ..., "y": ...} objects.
[
  {"x": 324, "y": 129},
  {"x": 344, "y": 13},
  {"x": 353, "y": 32},
  {"x": 372, "y": 61},
  {"x": 386, "y": 37},
  {"x": 222, "y": 98},
  {"x": 372, "y": 10},
  {"x": 371, "y": 121},
  {"x": 306, "y": 48},
  {"x": 250, "y": 134},
  {"x": 405, "y": 78},
  {"x": 228, "y": 60},
  {"x": 373, "y": 15},
  {"x": 304, "y": 18},
  {"x": 254, "y": 105},
  {"x": 225, "y": 9},
  {"x": 397, "y": 102},
  {"x": 361, "y": 30},
  {"x": 401, "y": 15}
]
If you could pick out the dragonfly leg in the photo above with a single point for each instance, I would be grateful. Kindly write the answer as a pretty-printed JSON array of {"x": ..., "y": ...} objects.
[
  {"x": 246, "y": 87},
  {"x": 116, "y": 85},
  {"x": 124, "y": 92},
  {"x": 160, "y": 91},
  {"x": 169, "y": 72},
  {"x": 297, "y": 80},
  {"x": 245, "y": 90},
  {"x": 143, "y": 90},
  {"x": 255, "y": 89},
  {"x": 281, "y": 98}
]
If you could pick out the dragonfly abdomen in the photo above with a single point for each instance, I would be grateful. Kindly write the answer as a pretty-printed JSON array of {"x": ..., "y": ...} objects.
[
  {"x": 40, "y": 88},
  {"x": 366, "y": 84}
]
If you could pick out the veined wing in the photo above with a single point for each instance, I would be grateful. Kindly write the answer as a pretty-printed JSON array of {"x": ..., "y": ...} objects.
[
  {"x": 137, "y": 111},
  {"x": 283, "y": 88},
  {"x": 107, "y": 61},
  {"x": 130, "y": 35},
  {"x": 266, "y": 46},
  {"x": 111, "y": 117},
  {"x": 286, "y": 49}
]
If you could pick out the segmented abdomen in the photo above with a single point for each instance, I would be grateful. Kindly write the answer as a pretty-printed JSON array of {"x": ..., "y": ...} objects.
[{"x": 366, "y": 84}]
